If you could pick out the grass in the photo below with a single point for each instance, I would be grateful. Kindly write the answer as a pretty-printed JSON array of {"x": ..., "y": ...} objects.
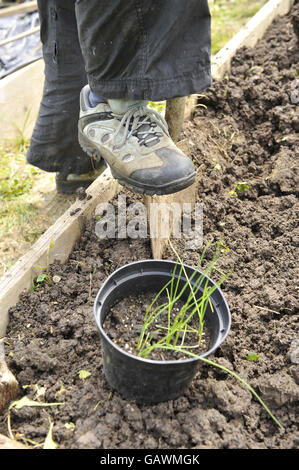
[
  {"x": 16, "y": 178},
  {"x": 228, "y": 16},
  {"x": 29, "y": 203},
  {"x": 20, "y": 217},
  {"x": 16, "y": 181}
]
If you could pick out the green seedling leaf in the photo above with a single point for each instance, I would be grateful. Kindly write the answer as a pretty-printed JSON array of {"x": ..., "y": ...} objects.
[
  {"x": 233, "y": 374},
  {"x": 25, "y": 401},
  {"x": 252, "y": 356},
  {"x": 97, "y": 405},
  {"x": 83, "y": 374},
  {"x": 49, "y": 443},
  {"x": 41, "y": 278},
  {"x": 240, "y": 187}
]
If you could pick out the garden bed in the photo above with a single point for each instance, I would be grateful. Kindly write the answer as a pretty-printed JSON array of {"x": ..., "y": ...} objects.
[{"x": 245, "y": 133}]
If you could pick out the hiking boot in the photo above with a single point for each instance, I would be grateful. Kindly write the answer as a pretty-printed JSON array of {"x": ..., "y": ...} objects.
[
  {"x": 68, "y": 184},
  {"x": 136, "y": 145}
]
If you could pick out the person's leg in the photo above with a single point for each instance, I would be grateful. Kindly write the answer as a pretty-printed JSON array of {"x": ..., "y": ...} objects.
[
  {"x": 136, "y": 51},
  {"x": 140, "y": 49},
  {"x": 54, "y": 143}
]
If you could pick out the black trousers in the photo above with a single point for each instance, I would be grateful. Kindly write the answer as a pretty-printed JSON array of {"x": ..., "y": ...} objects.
[
  {"x": 145, "y": 49},
  {"x": 136, "y": 49}
]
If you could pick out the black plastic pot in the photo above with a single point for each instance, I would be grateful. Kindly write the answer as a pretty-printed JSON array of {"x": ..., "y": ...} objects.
[{"x": 145, "y": 380}]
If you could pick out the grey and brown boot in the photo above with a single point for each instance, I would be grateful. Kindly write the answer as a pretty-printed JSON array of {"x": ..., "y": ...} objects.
[{"x": 136, "y": 145}]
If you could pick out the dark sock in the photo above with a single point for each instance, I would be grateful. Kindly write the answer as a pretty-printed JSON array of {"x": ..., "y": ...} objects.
[{"x": 94, "y": 100}]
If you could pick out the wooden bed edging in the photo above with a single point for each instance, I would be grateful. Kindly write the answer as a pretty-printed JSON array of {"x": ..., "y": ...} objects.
[
  {"x": 249, "y": 34},
  {"x": 67, "y": 229},
  {"x": 27, "y": 7},
  {"x": 63, "y": 235}
]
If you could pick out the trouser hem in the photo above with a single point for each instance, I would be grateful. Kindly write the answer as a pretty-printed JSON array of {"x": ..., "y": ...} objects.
[{"x": 152, "y": 90}]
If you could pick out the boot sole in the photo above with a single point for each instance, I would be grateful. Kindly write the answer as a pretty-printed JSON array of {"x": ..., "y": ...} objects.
[
  {"x": 70, "y": 187},
  {"x": 129, "y": 183}
]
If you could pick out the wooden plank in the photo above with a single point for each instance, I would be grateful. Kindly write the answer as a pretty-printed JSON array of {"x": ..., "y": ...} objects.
[
  {"x": 20, "y": 96},
  {"x": 159, "y": 211},
  {"x": 190, "y": 105},
  {"x": 159, "y": 208},
  {"x": 160, "y": 216},
  {"x": 27, "y": 7},
  {"x": 19, "y": 36},
  {"x": 9, "y": 387},
  {"x": 174, "y": 116},
  {"x": 249, "y": 35},
  {"x": 63, "y": 235}
]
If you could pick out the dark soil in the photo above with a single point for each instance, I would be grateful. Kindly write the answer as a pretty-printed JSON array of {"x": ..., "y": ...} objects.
[{"x": 246, "y": 133}]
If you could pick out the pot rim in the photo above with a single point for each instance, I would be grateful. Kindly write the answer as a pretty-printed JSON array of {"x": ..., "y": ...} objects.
[{"x": 152, "y": 361}]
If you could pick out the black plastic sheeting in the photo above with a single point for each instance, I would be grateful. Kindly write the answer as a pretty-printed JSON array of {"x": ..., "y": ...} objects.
[{"x": 21, "y": 52}]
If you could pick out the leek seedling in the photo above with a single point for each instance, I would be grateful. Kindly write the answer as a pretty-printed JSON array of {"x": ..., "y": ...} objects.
[
  {"x": 180, "y": 327},
  {"x": 196, "y": 292}
]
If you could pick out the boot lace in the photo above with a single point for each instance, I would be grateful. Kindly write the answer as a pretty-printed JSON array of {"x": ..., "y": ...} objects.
[{"x": 141, "y": 122}]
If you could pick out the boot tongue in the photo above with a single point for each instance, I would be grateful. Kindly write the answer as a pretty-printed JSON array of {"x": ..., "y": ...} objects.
[{"x": 120, "y": 107}]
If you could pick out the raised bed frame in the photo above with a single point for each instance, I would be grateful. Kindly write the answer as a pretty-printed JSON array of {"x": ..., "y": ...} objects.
[{"x": 65, "y": 232}]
